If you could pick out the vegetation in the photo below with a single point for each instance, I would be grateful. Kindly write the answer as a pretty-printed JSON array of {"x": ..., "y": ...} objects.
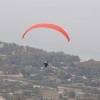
[{"x": 23, "y": 75}]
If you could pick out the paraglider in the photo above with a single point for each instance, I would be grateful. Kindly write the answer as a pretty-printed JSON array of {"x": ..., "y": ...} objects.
[
  {"x": 45, "y": 64},
  {"x": 48, "y": 25}
]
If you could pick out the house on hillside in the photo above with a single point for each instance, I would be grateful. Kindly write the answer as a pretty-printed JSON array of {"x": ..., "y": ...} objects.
[
  {"x": 36, "y": 86},
  {"x": 82, "y": 60},
  {"x": 60, "y": 91},
  {"x": 10, "y": 93},
  {"x": 2, "y": 98},
  {"x": 84, "y": 77},
  {"x": 53, "y": 67},
  {"x": 69, "y": 79},
  {"x": 65, "y": 67}
]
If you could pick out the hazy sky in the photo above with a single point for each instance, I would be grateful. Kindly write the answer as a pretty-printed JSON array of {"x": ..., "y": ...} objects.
[{"x": 80, "y": 18}]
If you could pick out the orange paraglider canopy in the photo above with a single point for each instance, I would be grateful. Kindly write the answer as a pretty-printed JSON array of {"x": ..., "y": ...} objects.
[{"x": 48, "y": 25}]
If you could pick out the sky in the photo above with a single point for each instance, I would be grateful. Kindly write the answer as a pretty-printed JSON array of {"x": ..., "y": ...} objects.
[{"x": 80, "y": 18}]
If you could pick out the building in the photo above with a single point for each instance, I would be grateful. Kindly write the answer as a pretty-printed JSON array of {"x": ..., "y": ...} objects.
[{"x": 2, "y": 98}]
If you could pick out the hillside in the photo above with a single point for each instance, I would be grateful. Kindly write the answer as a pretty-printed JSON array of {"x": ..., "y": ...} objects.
[
  {"x": 24, "y": 55},
  {"x": 23, "y": 74}
]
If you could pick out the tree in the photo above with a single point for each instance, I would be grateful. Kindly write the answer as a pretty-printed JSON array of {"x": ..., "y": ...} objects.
[
  {"x": 60, "y": 96},
  {"x": 27, "y": 93},
  {"x": 98, "y": 97},
  {"x": 71, "y": 94},
  {"x": 95, "y": 91},
  {"x": 40, "y": 97},
  {"x": 64, "y": 99}
]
